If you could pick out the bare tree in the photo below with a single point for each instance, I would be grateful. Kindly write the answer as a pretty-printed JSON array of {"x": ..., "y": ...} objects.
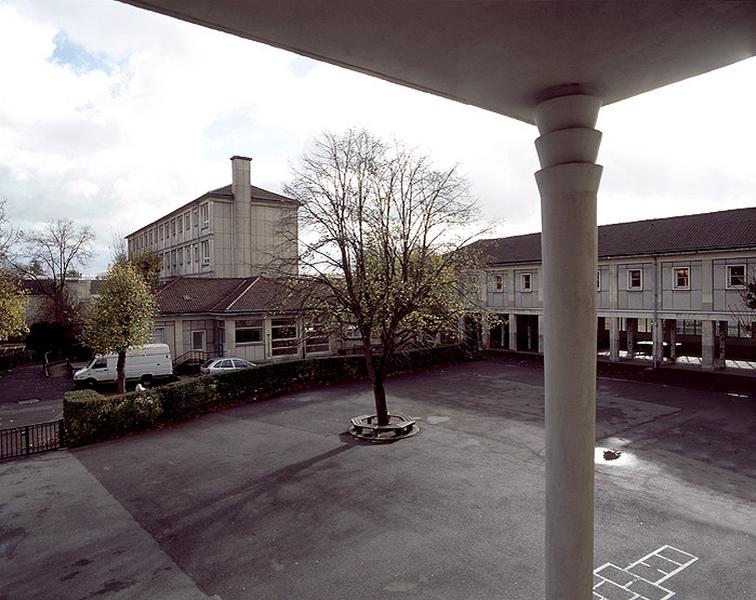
[
  {"x": 745, "y": 311},
  {"x": 9, "y": 237},
  {"x": 52, "y": 254},
  {"x": 381, "y": 233}
]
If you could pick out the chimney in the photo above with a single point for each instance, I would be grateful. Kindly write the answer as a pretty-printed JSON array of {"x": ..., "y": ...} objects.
[
  {"x": 241, "y": 216},
  {"x": 240, "y": 177}
]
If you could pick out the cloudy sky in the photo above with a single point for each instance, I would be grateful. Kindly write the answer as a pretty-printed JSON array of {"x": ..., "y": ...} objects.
[{"x": 111, "y": 116}]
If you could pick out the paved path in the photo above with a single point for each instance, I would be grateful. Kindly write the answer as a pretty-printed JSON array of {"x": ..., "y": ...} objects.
[
  {"x": 271, "y": 500},
  {"x": 27, "y": 396}
]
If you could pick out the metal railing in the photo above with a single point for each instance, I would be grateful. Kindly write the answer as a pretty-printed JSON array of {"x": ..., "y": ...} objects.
[
  {"x": 30, "y": 439},
  {"x": 195, "y": 357}
]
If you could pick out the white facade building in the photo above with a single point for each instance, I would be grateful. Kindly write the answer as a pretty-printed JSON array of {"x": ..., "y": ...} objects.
[
  {"x": 664, "y": 287},
  {"x": 238, "y": 230}
]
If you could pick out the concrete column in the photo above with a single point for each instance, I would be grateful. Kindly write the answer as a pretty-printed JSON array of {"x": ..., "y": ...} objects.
[
  {"x": 707, "y": 344},
  {"x": 512, "y": 331},
  {"x": 229, "y": 346},
  {"x": 178, "y": 332},
  {"x": 540, "y": 334},
  {"x": 657, "y": 346},
  {"x": 673, "y": 340},
  {"x": 614, "y": 339},
  {"x": 722, "y": 357},
  {"x": 630, "y": 325},
  {"x": 568, "y": 183}
]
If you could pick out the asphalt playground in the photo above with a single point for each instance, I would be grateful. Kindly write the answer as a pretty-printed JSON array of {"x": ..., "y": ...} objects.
[{"x": 272, "y": 500}]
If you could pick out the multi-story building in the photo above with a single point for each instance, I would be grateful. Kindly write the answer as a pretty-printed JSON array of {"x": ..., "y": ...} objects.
[
  {"x": 664, "y": 287},
  {"x": 238, "y": 230}
]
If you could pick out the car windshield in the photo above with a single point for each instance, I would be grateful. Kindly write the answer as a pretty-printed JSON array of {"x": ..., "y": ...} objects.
[{"x": 207, "y": 363}]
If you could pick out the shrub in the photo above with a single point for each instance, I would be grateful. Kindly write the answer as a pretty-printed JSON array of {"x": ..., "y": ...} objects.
[{"x": 90, "y": 416}]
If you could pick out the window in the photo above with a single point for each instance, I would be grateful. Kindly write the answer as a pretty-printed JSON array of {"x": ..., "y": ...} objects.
[
  {"x": 526, "y": 282},
  {"x": 498, "y": 283},
  {"x": 160, "y": 232},
  {"x": 241, "y": 364},
  {"x": 738, "y": 330},
  {"x": 284, "y": 337},
  {"x": 204, "y": 215},
  {"x": 225, "y": 364},
  {"x": 681, "y": 278},
  {"x": 100, "y": 363},
  {"x": 188, "y": 252},
  {"x": 736, "y": 276},
  {"x": 195, "y": 212},
  {"x": 196, "y": 253},
  {"x": 167, "y": 261},
  {"x": 158, "y": 336},
  {"x": 687, "y": 327},
  {"x": 173, "y": 258},
  {"x": 205, "y": 252},
  {"x": 181, "y": 257},
  {"x": 173, "y": 227},
  {"x": 198, "y": 340},
  {"x": 187, "y": 221},
  {"x": 150, "y": 238},
  {"x": 635, "y": 279},
  {"x": 598, "y": 280},
  {"x": 248, "y": 331},
  {"x": 316, "y": 338}
]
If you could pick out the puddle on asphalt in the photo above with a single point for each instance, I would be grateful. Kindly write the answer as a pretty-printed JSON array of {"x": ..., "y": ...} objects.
[{"x": 613, "y": 457}]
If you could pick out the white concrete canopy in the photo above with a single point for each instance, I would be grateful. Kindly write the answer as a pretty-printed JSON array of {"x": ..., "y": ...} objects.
[
  {"x": 551, "y": 62},
  {"x": 501, "y": 56}
]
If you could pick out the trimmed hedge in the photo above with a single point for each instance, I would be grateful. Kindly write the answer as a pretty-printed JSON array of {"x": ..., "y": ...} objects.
[{"x": 88, "y": 416}]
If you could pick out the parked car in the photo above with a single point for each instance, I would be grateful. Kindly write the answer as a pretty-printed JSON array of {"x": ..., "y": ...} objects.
[
  {"x": 144, "y": 364},
  {"x": 216, "y": 366}
]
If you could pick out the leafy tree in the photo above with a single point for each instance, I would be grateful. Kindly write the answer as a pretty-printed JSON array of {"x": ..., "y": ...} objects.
[
  {"x": 382, "y": 230},
  {"x": 13, "y": 303},
  {"x": 13, "y": 299},
  {"x": 122, "y": 316}
]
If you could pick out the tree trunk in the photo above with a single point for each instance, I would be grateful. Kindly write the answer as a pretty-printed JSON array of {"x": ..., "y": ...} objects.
[
  {"x": 121, "y": 372},
  {"x": 381, "y": 409},
  {"x": 377, "y": 374}
]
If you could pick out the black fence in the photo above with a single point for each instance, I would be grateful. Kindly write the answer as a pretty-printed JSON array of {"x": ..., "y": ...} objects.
[{"x": 30, "y": 439}]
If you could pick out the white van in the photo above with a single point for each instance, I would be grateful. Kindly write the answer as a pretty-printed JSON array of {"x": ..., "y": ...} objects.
[{"x": 144, "y": 364}]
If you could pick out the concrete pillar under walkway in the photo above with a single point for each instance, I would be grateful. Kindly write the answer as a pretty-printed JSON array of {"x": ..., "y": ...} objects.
[
  {"x": 568, "y": 183},
  {"x": 630, "y": 327},
  {"x": 513, "y": 331},
  {"x": 707, "y": 344},
  {"x": 614, "y": 339}
]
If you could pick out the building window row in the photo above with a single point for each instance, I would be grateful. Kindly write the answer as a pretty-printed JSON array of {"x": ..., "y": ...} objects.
[
  {"x": 170, "y": 229},
  {"x": 174, "y": 260}
]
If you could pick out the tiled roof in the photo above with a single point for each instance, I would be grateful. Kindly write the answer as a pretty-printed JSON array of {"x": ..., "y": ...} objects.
[
  {"x": 724, "y": 230},
  {"x": 232, "y": 294},
  {"x": 200, "y": 295},
  {"x": 257, "y": 194}
]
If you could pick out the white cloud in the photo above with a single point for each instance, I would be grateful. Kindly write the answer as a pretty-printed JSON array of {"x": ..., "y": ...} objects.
[{"x": 118, "y": 146}]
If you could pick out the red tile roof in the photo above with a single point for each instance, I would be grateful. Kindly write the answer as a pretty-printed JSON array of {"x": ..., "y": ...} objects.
[{"x": 232, "y": 294}]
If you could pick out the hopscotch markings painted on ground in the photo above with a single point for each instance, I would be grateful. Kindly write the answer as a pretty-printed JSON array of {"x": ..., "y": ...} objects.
[{"x": 642, "y": 579}]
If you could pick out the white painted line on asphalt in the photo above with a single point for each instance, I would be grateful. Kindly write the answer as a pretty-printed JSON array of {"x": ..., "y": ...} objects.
[{"x": 641, "y": 579}]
